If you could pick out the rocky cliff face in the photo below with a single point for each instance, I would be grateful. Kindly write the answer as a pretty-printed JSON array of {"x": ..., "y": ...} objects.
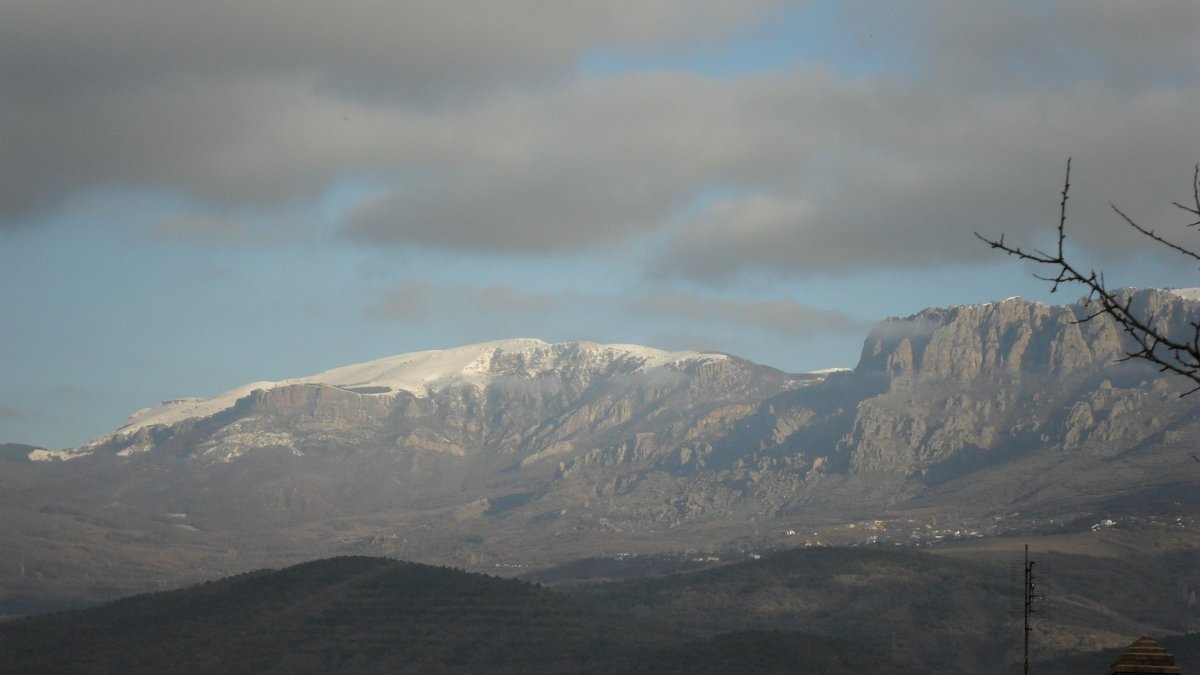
[
  {"x": 969, "y": 386},
  {"x": 996, "y": 340}
]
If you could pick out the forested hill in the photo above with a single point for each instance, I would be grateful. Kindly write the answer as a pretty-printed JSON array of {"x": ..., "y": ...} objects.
[{"x": 359, "y": 614}]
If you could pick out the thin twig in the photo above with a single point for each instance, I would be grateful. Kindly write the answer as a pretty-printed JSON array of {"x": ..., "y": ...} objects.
[{"x": 1170, "y": 353}]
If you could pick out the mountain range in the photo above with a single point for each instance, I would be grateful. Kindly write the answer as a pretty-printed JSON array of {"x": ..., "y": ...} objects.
[{"x": 958, "y": 424}]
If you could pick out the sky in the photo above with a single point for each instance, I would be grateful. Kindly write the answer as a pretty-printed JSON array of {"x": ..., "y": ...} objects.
[{"x": 197, "y": 195}]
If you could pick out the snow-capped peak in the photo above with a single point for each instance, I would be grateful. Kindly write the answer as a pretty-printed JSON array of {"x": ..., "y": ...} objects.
[{"x": 421, "y": 373}]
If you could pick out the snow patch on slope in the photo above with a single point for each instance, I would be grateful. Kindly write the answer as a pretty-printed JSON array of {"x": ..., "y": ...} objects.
[
  {"x": 1187, "y": 293},
  {"x": 43, "y": 455}
]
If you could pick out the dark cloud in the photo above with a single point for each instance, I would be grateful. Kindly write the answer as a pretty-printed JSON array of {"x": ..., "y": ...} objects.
[
  {"x": 8, "y": 412},
  {"x": 244, "y": 102},
  {"x": 910, "y": 175},
  {"x": 506, "y": 300},
  {"x": 362, "y": 48},
  {"x": 198, "y": 228},
  {"x": 410, "y": 301},
  {"x": 216, "y": 229},
  {"x": 481, "y": 137},
  {"x": 685, "y": 341},
  {"x": 781, "y": 316},
  {"x": 415, "y": 299},
  {"x": 504, "y": 305},
  {"x": 540, "y": 210},
  {"x": 1009, "y": 43}
]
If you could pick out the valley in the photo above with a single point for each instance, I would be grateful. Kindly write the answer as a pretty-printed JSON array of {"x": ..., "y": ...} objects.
[{"x": 962, "y": 434}]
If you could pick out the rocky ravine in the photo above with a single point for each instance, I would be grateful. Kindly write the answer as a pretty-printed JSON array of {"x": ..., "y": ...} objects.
[{"x": 527, "y": 453}]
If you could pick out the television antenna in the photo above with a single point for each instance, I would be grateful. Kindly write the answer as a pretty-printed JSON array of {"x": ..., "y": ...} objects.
[{"x": 1031, "y": 596}]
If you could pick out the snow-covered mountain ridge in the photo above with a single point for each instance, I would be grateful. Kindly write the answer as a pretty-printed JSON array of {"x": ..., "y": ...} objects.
[
  {"x": 1187, "y": 293},
  {"x": 422, "y": 373}
]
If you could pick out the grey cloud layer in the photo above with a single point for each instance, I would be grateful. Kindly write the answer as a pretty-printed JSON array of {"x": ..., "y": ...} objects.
[
  {"x": 779, "y": 316},
  {"x": 237, "y": 101},
  {"x": 470, "y": 117},
  {"x": 1011, "y": 43},
  {"x": 363, "y": 48},
  {"x": 914, "y": 175},
  {"x": 415, "y": 299}
]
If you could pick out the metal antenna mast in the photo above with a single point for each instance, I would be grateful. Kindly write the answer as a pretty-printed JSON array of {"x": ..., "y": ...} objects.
[{"x": 1030, "y": 596}]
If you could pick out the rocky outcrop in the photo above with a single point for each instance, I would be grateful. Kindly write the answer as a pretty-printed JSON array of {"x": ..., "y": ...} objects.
[
  {"x": 989, "y": 381},
  {"x": 304, "y": 406},
  {"x": 1001, "y": 339}
]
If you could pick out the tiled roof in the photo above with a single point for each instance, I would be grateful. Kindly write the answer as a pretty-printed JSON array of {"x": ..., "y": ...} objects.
[{"x": 1145, "y": 656}]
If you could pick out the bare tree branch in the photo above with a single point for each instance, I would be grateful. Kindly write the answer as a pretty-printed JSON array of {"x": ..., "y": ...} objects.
[
  {"x": 1171, "y": 353},
  {"x": 1150, "y": 233}
]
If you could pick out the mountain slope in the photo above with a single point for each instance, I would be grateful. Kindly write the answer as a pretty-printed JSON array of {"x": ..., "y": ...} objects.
[
  {"x": 958, "y": 611},
  {"x": 375, "y": 615},
  {"x": 981, "y": 420},
  {"x": 423, "y": 374}
]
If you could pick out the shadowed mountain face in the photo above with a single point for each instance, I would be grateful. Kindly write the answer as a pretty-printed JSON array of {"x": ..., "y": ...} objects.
[
  {"x": 834, "y": 610},
  {"x": 374, "y": 615},
  {"x": 956, "y": 611},
  {"x": 960, "y": 421}
]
